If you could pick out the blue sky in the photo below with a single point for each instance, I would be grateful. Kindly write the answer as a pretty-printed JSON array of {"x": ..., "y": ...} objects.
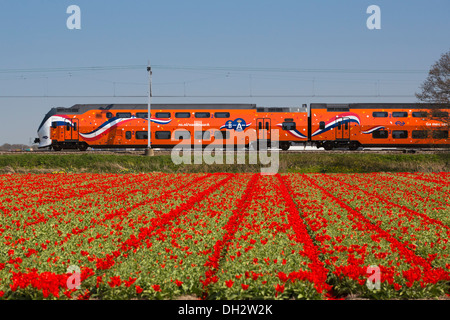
[{"x": 235, "y": 50}]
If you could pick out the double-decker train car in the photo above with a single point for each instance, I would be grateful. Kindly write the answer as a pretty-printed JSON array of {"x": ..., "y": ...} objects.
[
  {"x": 126, "y": 126},
  {"x": 379, "y": 125},
  {"x": 324, "y": 125}
]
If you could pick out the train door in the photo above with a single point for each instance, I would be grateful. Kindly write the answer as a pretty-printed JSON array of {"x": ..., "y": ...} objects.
[
  {"x": 71, "y": 130},
  {"x": 75, "y": 129},
  {"x": 263, "y": 130},
  {"x": 343, "y": 129}
]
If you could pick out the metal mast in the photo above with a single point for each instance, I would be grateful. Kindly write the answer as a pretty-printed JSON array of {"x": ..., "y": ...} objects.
[{"x": 149, "y": 150}]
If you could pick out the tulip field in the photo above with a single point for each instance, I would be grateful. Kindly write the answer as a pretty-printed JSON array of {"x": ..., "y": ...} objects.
[{"x": 224, "y": 236}]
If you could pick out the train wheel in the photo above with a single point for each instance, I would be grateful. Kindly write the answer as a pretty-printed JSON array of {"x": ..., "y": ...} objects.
[
  {"x": 354, "y": 145},
  {"x": 83, "y": 147},
  {"x": 285, "y": 146},
  {"x": 56, "y": 147},
  {"x": 328, "y": 145}
]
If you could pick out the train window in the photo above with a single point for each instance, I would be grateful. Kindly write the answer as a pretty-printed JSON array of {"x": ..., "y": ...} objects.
[
  {"x": 109, "y": 115},
  {"x": 322, "y": 125},
  {"x": 400, "y": 114},
  {"x": 222, "y": 114},
  {"x": 123, "y": 115},
  {"x": 440, "y": 114},
  {"x": 399, "y": 134},
  {"x": 205, "y": 135},
  {"x": 420, "y": 134},
  {"x": 68, "y": 126},
  {"x": 420, "y": 114},
  {"x": 380, "y": 134},
  {"x": 221, "y": 134},
  {"x": 288, "y": 126},
  {"x": 75, "y": 126},
  {"x": 440, "y": 134},
  {"x": 128, "y": 135},
  {"x": 380, "y": 114},
  {"x": 162, "y": 135},
  {"x": 182, "y": 134},
  {"x": 202, "y": 115},
  {"x": 162, "y": 115},
  {"x": 259, "y": 109},
  {"x": 267, "y": 125},
  {"x": 54, "y": 125},
  {"x": 182, "y": 115},
  {"x": 142, "y": 115},
  {"x": 260, "y": 126},
  {"x": 338, "y": 109},
  {"x": 141, "y": 135}
]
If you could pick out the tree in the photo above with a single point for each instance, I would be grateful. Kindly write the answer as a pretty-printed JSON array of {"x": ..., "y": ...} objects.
[
  {"x": 436, "y": 88},
  {"x": 435, "y": 95}
]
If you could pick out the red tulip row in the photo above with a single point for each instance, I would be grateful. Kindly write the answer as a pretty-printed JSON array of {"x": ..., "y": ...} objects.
[
  {"x": 434, "y": 186},
  {"x": 55, "y": 214},
  {"x": 431, "y": 216},
  {"x": 351, "y": 243},
  {"x": 223, "y": 236},
  {"x": 31, "y": 192},
  {"x": 72, "y": 238},
  {"x": 427, "y": 237},
  {"x": 400, "y": 193},
  {"x": 442, "y": 179},
  {"x": 269, "y": 239},
  {"x": 169, "y": 256}
]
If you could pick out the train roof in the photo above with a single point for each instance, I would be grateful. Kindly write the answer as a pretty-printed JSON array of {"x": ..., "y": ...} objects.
[
  {"x": 82, "y": 108},
  {"x": 341, "y": 106}
]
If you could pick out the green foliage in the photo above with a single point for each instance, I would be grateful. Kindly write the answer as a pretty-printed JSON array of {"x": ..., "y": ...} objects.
[{"x": 288, "y": 163}]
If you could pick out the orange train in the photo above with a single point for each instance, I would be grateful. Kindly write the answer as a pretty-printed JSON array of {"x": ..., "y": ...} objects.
[
  {"x": 379, "y": 125},
  {"x": 324, "y": 125}
]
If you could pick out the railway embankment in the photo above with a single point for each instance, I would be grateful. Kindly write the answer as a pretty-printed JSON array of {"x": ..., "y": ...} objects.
[{"x": 303, "y": 162}]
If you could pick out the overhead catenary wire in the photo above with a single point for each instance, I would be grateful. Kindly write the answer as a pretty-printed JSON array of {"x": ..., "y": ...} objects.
[
  {"x": 269, "y": 73},
  {"x": 215, "y": 68},
  {"x": 211, "y": 96}
]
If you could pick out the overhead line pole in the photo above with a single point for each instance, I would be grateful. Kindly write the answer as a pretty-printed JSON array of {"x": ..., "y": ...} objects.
[{"x": 149, "y": 151}]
